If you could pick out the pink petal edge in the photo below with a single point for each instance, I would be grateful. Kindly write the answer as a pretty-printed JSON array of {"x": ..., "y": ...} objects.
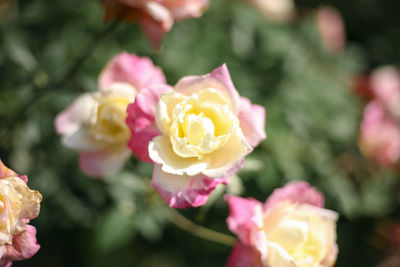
[
  {"x": 181, "y": 191},
  {"x": 299, "y": 192}
]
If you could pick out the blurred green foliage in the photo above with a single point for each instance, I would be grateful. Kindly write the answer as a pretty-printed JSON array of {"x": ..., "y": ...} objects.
[{"x": 312, "y": 127}]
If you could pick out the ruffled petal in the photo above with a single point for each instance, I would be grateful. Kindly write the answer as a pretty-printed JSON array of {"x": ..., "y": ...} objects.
[
  {"x": 128, "y": 68},
  {"x": 141, "y": 121},
  {"x": 252, "y": 121},
  {"x": 24, "y": 246},
  {"x": 241, "y": 211},
  {"x": 161, "y": 152},
  {"x": 234, "y": 151},
  {"x": 218, "y": 79},
  {"x": 181, "y": 191}
]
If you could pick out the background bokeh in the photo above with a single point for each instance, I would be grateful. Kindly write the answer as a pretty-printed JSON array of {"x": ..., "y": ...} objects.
[{"x": 313, "y": 119}]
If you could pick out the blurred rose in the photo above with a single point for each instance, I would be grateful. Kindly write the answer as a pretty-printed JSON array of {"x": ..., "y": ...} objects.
[
  {"x": 155, "y": 16},
  {"x": 290, "y": 229},
  {"x": 385, "y": 84},
  {"x": 198, "y": 134},
  {"x": 95, "y": 124},
  {"x": 331, "y": 28},
  {"x": 276, "y": 10},
  {"x": 380, "y": 135},
  {"x": 18, "y": 205}
]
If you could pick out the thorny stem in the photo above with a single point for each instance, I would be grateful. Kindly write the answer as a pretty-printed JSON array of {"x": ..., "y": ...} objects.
[{"x": 182, "y": 222}]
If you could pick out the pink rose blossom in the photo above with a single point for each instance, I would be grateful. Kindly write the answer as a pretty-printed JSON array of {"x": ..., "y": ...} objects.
[
  {"x": 197, "y": 134},
  {"x": 331, "y": 28},
  {"x": 282, "y": 231},
  {"x": 155, "y": 16},
  {"x": 19, "y": 205},
  {"x": 385, "y": 84},
  {"x": 380, "y": 135},
  {"x": 94, "y": 125}
]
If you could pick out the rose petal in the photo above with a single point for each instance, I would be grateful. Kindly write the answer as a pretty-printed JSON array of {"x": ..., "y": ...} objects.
[
  {"x": 24, "y": 246},
  {"x": 252, "y": 121},
  {"x": 103, "y": 163},
  {"x": 137, "y": 71},
  {"x": 241, "y": 211},
  {"x": 299, "y": 192},
  {"x": 233, "y": 152},
  {"x": 141, "y": 121},
  {"x": 181, "y": 191},
  {"x": 243, "y": 256},
  {"x": 161, "y": 152},
  {"x": 219, "y": 79},
  {"x": 77, "y": 114}
]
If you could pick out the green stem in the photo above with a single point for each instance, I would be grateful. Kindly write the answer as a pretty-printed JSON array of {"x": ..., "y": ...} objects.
[{"x": 179, "y": 220}]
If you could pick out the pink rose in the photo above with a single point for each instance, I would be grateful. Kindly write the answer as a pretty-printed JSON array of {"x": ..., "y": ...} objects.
[
  {"x": 380, "y": 135},
  {"x": 155, "y": 16},
  {"x": 385, "y": 84},
  {"x": 94, "y": 125},
  {"x": 18, "y": 205},
  {"x": 290, "y": 229},
  {"x": 196, "y": 133},
  {"x": 331, "y": 28}
]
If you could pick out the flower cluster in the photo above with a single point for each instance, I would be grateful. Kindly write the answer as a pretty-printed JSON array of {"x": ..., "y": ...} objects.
[
  {"x": 18, "y": 205},
  {"x": 380, "y": 127},
  {"x": 290, "y": 229},
  {"x": 197, "y": 134}
]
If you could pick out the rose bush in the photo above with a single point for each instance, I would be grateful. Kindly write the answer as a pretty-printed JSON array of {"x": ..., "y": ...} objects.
[
  {"x": 290, "y": 229},
  {"x": 197, "y": 134},
  {"x": 18, "y": 205},
  {"x": 155, "y": 16},
  {"x": 94, "y": 124}
]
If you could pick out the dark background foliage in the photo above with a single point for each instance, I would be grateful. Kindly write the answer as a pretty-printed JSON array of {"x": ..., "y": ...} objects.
[{"x": 312, "y": 125}]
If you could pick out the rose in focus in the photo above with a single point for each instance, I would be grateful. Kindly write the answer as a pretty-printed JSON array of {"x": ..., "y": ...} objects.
[
  {"x": 18, "y": 205},
  {"x": 155, "y": 16},
  {"x": 94, "y": 124},
  {"x": 197, "y": 132},
  {"x": 290, "y": 229}
]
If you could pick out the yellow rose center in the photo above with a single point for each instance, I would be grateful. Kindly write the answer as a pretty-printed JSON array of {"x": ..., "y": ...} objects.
[
  {"x": 304, "y": 234},
  {"x": 109, "y": 125},
  {"x": 198, "y": 124}
]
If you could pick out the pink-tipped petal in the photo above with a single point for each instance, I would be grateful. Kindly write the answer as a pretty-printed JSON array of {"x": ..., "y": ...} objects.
[
  {"x": 243, "y": 256},
  {"x": 241, "y": 212},
  {"x": 181, "y": 191},
  {"x": 252, "y": 121},
  {"x": 128, "y": 68},
  {"x": 141, "y": 120},
  {"x": 6, "y": 172},
  {"x": 218, "y": 79},
  {"x": 24, "y": 246},
  {"x": 298, "y": 192},
  {"x": 103, "y": 163},
  {"x": 78, "y": 113}
]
